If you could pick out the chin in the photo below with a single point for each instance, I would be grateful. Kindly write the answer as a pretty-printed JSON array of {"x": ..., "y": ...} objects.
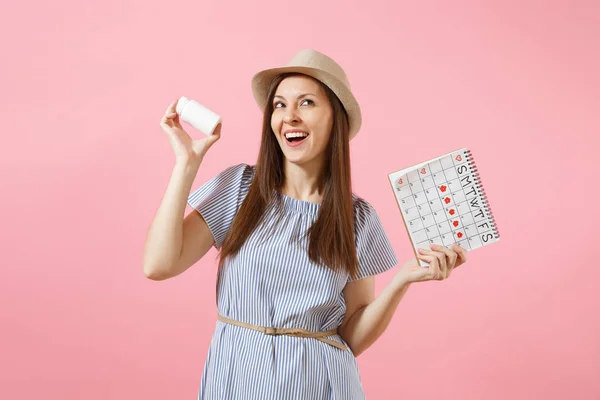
[
  {"x": 295, "y": 159},
  {"x": 298, "y": 159}
]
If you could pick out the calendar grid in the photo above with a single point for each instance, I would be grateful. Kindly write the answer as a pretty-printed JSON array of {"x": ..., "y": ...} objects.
[{"x": 427, "y": 217}]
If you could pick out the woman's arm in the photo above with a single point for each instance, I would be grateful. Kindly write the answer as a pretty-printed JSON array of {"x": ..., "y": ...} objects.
[
  {"x": 172, "y": 243},
  {"x": 368, "y": 317}
]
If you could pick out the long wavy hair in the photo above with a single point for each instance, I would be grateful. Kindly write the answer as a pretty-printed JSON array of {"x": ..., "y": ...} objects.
[{"x": 331, "y": 236}]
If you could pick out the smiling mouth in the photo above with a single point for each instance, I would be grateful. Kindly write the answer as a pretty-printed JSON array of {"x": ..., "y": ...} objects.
[{"x": 295, "y": 137}]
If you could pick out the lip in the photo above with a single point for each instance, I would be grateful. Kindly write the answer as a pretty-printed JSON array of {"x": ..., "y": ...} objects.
[
  {"x": 294, "y": 130},
  {"x": 294, "y": 144}
]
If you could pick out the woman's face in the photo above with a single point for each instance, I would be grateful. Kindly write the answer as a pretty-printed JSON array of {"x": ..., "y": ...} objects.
[{"x": 302, "y": 119}]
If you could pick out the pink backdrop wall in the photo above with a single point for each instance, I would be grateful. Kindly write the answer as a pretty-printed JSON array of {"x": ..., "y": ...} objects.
[{"x": 84, "y": 166}]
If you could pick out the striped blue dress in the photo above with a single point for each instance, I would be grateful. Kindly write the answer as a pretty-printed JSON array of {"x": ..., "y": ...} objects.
[{"x": 272, "y": 282}]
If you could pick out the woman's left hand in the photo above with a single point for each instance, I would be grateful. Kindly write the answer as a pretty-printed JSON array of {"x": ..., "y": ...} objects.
[{"x": 442, "y": 261}]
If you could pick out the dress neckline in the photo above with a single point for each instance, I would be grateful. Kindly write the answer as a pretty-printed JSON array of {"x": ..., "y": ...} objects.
[{"x": 302, "y": 206}]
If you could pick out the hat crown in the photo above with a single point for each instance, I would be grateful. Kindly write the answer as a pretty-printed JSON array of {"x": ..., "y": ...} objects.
[
  {"x": 314, "y": 59},
  {"x": 320, "y": 67}
]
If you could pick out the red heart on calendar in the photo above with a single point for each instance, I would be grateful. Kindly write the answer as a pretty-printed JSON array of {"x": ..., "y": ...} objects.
[
  {"x": 451, "y": 211},
  {"x": 423, "y": 171},
  {"x": 443, "y": 188},
  {"x": 400, "y": 181},
  {"x": 459, "y": 234},
  {"x": 455, "y": 223},
  {"x": 458, "y": 158},
  {"x": 447, "y": 200}
]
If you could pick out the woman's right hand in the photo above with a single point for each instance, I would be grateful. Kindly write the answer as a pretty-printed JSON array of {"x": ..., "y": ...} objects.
[{"x": 186, "y": 149}]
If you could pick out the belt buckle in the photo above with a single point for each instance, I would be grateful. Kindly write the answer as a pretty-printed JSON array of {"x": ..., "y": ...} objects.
[{"x": 270, "y": 331}]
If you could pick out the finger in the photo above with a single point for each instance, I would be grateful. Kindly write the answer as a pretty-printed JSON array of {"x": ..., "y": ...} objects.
[
  {"x": 216, "y": 136},
  {"x": 213, "y": 138},
  {"x": 441, "y": 257},
  {"x": 168, "y": 122},
  {"x": 170, "y": 108},
  {"x": 167, "y": 118},
  {"x": 170, "y": 119},
  {"x": 434, "y": 270},
  {"x": 450, "y": 254},
  {"x": 217, "y": 130},
  {"x": 443, "y": 264},
  {"x": 461, "y": 254}
]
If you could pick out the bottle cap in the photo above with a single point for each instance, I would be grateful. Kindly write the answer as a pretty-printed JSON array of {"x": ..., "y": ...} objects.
[
  {"x": 181, "y": 103},
  {"x": 198, "y": 116}
]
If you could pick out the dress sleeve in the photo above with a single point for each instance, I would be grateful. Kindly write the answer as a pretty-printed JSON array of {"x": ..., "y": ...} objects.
[
  {"x": 219, "y": 199},
  {"x": 373, "y": 248}
]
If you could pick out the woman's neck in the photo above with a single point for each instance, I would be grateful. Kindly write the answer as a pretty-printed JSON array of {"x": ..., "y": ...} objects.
[{"x": 302, "y": 182}]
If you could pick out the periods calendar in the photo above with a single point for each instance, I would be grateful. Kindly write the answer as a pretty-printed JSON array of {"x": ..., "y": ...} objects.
[{"x": 442, "y": 201}]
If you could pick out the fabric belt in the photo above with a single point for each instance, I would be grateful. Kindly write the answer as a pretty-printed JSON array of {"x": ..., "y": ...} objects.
[{"x": 298, "y": 332}]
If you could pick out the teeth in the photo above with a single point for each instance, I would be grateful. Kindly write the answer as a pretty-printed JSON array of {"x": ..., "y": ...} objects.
[{"x": 296, "y": 134}]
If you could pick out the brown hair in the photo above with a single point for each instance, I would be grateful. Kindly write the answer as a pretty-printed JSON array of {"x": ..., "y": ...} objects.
[{"x": 335, "y": 220}]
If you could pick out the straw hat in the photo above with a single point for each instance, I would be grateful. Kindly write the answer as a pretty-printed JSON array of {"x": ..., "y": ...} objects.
[{"x": 321, "y": 67}]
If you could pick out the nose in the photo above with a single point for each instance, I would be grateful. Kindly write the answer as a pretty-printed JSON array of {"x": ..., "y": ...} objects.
[{"x": 290, "y": 116}]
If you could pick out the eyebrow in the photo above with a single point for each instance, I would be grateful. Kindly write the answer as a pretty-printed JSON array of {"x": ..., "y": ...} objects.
[{"x": 301, "y": 96}]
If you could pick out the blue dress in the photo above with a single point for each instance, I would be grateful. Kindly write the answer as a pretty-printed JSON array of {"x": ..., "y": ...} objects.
[{"x": 272, "y": 282}]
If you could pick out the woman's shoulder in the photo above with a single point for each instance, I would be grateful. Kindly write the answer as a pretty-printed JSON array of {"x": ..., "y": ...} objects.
[
  {"x": 364, "y": 213},
  {"x": 242, "y": 170},
  {"x": 240, "y": 167},
  {"x": 366, "y": 220},
  {"x": 233, "y": 176},
  {"x": 361, "y": 205}
]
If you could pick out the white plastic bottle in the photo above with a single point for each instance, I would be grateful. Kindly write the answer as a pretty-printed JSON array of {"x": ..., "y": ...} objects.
[{"x": 197, "y": 115}]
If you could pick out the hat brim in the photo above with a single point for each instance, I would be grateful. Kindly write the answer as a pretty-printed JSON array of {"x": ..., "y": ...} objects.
[{"x": 262, "y": 80}]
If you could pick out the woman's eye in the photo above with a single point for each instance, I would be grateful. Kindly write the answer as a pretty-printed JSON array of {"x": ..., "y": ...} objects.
[{"x": 277, "y": 104}]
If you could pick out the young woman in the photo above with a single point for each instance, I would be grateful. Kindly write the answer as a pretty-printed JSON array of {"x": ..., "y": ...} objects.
[{"x": 298, "y": 249}]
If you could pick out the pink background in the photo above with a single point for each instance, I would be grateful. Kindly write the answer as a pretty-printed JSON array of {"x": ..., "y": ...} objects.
[{"x": 84, "y": 166}]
